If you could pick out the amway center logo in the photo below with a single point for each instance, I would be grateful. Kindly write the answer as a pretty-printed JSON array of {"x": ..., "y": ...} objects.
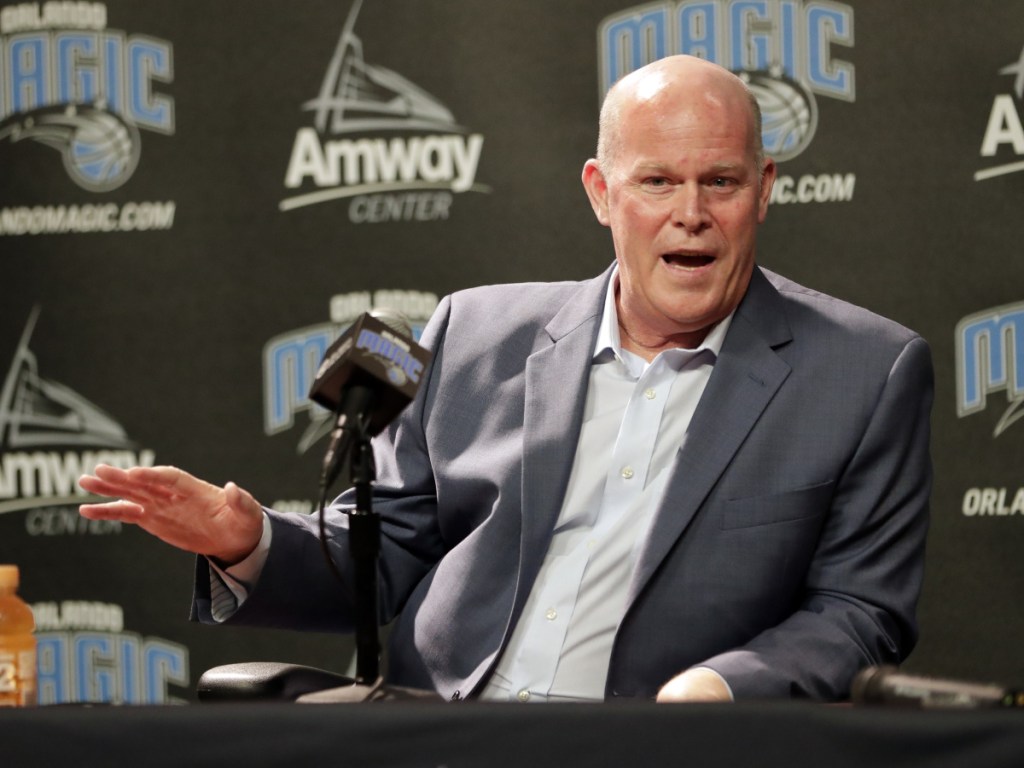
[
  {"x": 1004, "y": 129},
  {"x": 388, "y": 177},
  {"x": 49, "y": 436},
  {"x": 74, "y": 85},
  {"x": 782, "y": 48}
]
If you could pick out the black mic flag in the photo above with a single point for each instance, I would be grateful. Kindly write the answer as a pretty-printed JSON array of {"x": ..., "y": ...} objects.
[
  {"x": 367, "y": 376},
  {"x": 374, "y": 368}
]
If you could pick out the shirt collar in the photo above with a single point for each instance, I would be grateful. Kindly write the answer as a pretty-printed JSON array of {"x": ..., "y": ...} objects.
[{"x": 609, "y": 343}]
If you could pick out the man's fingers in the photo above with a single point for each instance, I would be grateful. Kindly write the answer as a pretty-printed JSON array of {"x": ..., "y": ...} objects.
[
  {"x": 169, "y": 482},
  {"x": 124, "y": 511},
  {"x": 95, "y": 485},
  {"x": 114, "y": 490},
  {"x": 140, "y": 484}
]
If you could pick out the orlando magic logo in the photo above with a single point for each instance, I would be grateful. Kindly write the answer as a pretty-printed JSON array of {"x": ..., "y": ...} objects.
[
  {"x": 84, "y": 92},
  {"x": 394, "y": 356},
  {"x": 990, "y": 358},
  {"x": 783, "y": 49}
]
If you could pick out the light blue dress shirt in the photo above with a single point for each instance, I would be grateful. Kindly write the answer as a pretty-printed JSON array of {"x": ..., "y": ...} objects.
[{"x": 562, "y": 644}]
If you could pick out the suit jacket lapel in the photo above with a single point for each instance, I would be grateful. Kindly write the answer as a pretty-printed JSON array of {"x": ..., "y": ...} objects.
[
  {"x": 557, "y": 374},
  {"x": 746, "y": 376}
]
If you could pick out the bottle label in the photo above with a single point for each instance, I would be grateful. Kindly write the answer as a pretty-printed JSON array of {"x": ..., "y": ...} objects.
[{"x": 17, "y": 678}]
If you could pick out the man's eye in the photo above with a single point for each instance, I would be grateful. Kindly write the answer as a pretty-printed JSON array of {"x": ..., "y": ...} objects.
[
  {"x": 721, "y": 181},
  {"x": 656, "y": 181}
]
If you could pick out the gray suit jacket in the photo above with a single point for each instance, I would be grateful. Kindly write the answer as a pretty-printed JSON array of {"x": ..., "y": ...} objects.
[{"x": 787, "y": 552}]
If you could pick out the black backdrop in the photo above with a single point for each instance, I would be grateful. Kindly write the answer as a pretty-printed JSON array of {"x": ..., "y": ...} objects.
[{"x": 164, "y": 291}]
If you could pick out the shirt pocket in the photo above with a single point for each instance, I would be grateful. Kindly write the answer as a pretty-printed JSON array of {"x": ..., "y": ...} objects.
[{"x": 798, "y": 504}]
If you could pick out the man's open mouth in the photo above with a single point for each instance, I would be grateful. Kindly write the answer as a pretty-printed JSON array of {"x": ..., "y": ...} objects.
[{"x": 688, "y": 260}]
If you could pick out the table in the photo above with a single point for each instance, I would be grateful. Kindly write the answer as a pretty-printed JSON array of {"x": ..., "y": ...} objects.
[{"x": 471, "y": 735}]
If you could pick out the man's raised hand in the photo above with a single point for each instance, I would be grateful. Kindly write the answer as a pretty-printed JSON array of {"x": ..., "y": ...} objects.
[{"x": 182, "y": 510}]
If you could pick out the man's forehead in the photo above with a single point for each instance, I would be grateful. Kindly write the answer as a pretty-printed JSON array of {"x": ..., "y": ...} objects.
[
  {"x": 708, "y": 123},
  {"x": 678, "y": 135}
]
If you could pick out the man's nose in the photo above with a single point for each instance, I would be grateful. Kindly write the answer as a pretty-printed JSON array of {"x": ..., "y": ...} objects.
[{"x": 688, "y": 208}]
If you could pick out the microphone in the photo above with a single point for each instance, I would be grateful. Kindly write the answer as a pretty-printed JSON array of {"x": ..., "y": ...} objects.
[
  {"x": 887, "y": 686},
  {"x": 367, "y": 376}
]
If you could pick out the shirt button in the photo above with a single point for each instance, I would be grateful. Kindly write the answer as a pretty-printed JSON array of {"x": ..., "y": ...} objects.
[
  {"x": 627, "y": 473},
  {"x": 551, "y": 614},
  {"x": 650, "y": 393},
  {"x": 523, "y": 695}
]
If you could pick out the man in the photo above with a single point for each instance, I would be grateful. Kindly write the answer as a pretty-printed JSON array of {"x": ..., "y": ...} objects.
[{"x": 687, "y": 478}]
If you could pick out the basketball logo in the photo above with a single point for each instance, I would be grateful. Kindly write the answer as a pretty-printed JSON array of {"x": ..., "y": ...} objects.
[
  {"x": 789, "y": 114},
  {"x": 100, "y": 150},
  {"x": 103, "y": 150}
]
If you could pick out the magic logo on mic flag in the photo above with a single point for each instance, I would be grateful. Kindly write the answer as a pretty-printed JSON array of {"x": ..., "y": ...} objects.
[{"x": 395, "y": 355}]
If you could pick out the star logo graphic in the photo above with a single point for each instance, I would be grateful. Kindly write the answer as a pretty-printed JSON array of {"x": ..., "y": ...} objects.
[{"x": 1017, "y": 68}]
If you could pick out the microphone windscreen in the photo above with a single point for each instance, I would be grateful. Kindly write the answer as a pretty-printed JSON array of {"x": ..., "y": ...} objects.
[{"x": 394, "y": 320}]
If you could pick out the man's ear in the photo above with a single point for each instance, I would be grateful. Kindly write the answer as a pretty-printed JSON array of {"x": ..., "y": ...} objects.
[
  {"x": 768, "y": 176},
  {"x": 597, "y": 190}
]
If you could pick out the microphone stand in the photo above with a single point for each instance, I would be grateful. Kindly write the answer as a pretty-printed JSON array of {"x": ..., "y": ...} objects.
[{"x": 364, "y": 544}]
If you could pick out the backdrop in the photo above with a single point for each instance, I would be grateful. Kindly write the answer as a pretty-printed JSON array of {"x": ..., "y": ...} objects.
[{"x": 197, "y": 197}]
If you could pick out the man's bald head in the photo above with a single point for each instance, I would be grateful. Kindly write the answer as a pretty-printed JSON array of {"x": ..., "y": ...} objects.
[{"x": 672, "y": 77}]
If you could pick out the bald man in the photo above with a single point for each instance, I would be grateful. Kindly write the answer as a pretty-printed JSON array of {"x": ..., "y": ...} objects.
[{"x": 687, "y": 478}]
